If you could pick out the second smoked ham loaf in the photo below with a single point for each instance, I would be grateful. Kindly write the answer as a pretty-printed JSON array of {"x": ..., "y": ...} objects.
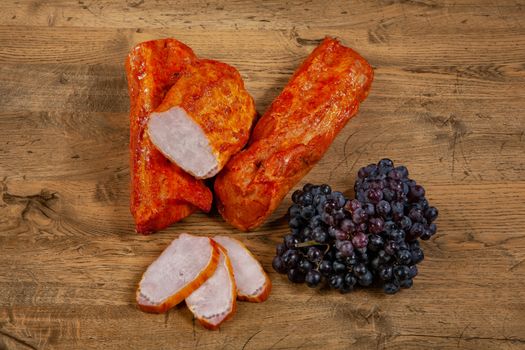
[{"x": 293, "y": 134}]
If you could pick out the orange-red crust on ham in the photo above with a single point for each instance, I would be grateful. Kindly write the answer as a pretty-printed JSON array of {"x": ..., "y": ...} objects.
[
  {"x": 293, "y": 134},
  {"x": 161, "y": 192}
]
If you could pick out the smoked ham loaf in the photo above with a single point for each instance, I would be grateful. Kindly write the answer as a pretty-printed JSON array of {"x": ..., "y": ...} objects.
[
  {"x": 204, "y": 119},
  {"x": 293, "y": 134},
  {"x": 161, "y": 192}
]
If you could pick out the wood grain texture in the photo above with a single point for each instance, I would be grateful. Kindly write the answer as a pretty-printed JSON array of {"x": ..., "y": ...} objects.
[{"x": 447, "y": 101}]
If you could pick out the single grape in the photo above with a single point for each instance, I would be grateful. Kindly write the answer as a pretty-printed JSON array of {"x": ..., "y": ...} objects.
[
  {"x": 290, "y": 241},
  {"x": 338, "y": 267},
  {"x": 366, "y": 279},
  {"x": 313, "y": 278},
  {"x": 417, "y": 255},
  {"x": 431, "y": 214},
  {"x": 278, "y": 264},
  {"x": 314, "y": 254},
  {"x": 406, "y": 283},
  {"x": 296, "y": 275},
  {"x": 336, "y": 281},
  {"x": 346, "y": 248},
  {"x": 385, "y": 273},
  {"x": 360, "y": 240},
  {"x": 376, "y": 225},
  {"x": 390, "y": 288},
  {"x": 325, "y": 267},
  {"x": 305, "y": 265},
  {"x": 280, "y": 249}
]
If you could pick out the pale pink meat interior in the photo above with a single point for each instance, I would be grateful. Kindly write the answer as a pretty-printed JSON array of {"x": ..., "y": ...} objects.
[
  {"x": 176, "y": 135},
  {"x": 249, "y": 274},
  {"x": 214, "y": 299},
  {"x": 180, "y": 263}
]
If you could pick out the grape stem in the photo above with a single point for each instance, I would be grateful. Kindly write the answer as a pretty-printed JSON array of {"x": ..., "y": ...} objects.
[{"x": 313, "y": 243}]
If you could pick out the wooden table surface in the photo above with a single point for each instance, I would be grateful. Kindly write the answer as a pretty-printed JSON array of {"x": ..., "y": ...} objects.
[{"x": 448, "y": 101}]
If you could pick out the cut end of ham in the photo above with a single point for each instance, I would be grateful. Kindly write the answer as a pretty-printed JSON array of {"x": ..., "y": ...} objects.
[
  {"x": 253, "y": 284},
  {"x": 176, "y": 135},
  {"x": 214, "y": 302},
  {"x": 181, "y": 269}
]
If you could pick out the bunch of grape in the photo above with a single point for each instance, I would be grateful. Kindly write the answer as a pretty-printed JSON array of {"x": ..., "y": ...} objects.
[{"x": 372, "y": 239}]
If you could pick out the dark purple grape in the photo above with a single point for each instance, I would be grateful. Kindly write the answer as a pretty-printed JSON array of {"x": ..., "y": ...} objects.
[
  {"x": 296, "y": 275},
  {"x": 296, "y": 195},
  {"x": 391, "y": 247},
  {"x": 362, "y": 173},
  {"x": 385, "y": 273},
  {"x": 315, "y": 222},
  {"x": 431, "y": 214},
  {"x": 325, "y": 189},
  {"x": 383, "y": 208},
  {"x": 412, "y": 271},
  {"x": 328, "y": 219},
  {"x": 336, "y": 281},
  {"x": 359, "y": 216},
  {"x": 313, "y": 278},
  {"x": 366, "y": 279},
  {"x": 325, "y": 267},
  {"x": 404, "y": 257},
  {"x": 350, "y": 279},
  {"x": 391, "y": 288},
  {"x": 406, "y": 283},
  {"x": 395, "y": 174},
  {"x": 340, "y": 235},
  {"x": 383, "y": 256},
  {"x": 339, "y": 199},
  {"x": 388, "y": 194},
  {"x": 369, "y": 209},
  {"x": 295, "y": 222},
  {"x": 374, "y": 195},
  {"x": 389, "y": 226},
  {"x": 416, "y": 230},
  {"x": 305, "y": 265},
  {"x": 278, "y": 264},
  {"x": 280, "y": 249},
  {"x": 375, "y": 242},
  {"x": 314, "y": 254},
  {"x": 398, "y": 209},
  {"x": 290, "y": 241},
  {"x": 347, "y": 225},
  {"x": 308, "y": 198},
  {"x": 417, "y": 255},
  {"x": 338, "y": 267},
  {"x": 352, "y": 205},
  {"x": 291, "y": 258},
  {"x": 319, "y": 235},
  {"x": 417, "y": 192},
  {"x": 330, "y": 206},
  {"x": 397, "y": 235},
  {"x": 401, "y": 272},
  {"x": 308, "y": 187},
  {"x": 346, "y": 248},
  {"x": 294, "y": 211},
  {"x": 415, "y": 214},
  {"x": 376, "y": 225},
  {"x": 308, "y": 212},
  {"x": 360, "y": 240},
  {"x": 405, "y": 223},
  {"x": 360, "y": 270},
  {"x": 402, "y": 170},
  {"x": 306, "y": 232},
  {"x": 385, "y": 163}
]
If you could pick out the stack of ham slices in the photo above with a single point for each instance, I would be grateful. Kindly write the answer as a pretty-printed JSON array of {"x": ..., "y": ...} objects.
[{"x": 208, "y": 273}]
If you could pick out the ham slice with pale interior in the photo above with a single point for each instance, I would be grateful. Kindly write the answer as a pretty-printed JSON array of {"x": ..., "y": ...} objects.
[
  {"x": 214, "y": 302},
  {"x": 181, "y": 268},
  {"x": 252, "y": 282},
  {"x": 204, "y": 119}
]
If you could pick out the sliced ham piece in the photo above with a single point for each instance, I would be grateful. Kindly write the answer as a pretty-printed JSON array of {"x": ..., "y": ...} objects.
[
  {"x": 181, "y": 268},
  {"x": 252, "y": 282},
  {"x": 204, "y": 119},
  {"x": 214, "y": 302}
]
